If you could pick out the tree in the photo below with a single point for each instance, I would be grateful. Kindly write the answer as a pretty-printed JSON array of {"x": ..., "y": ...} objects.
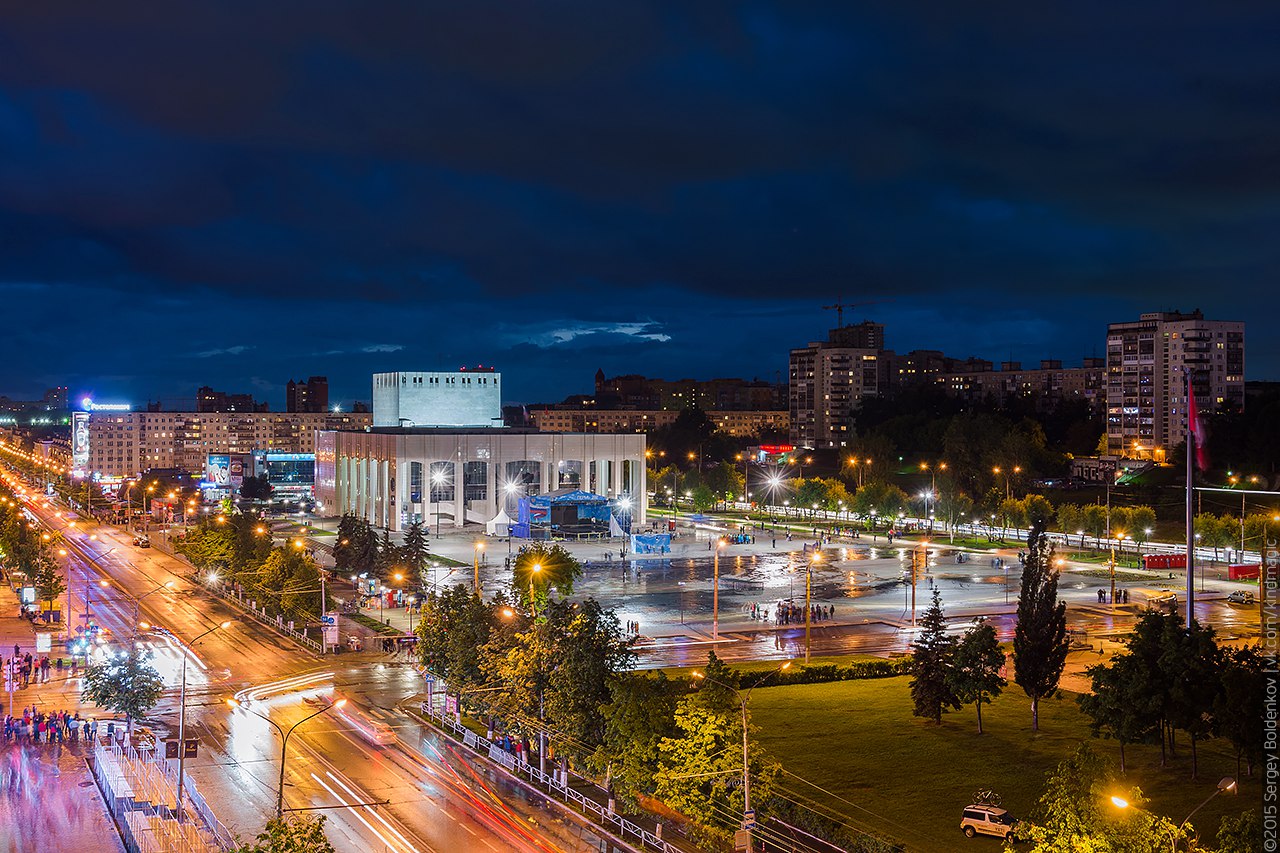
[
  {"x": 1070, "y": 518},
  {"x": 932, "y": 688},
  {"x": 388, "y": 557},
  {"x": 256, "y": 488},
  {"x": 292, "y": 834},
  {"x": 555, "y": 569},
  {"x": 415, "y": 552},
  {"x": 1241, "y": 834},
  {"x": 1142, "y": 520},
  {"x": 975, "y": 666},
  {"x": 1037, "y": 510},
  {"x": 1121, "y": 705},
  {"x": 811, "y": 493},
  {"x": 700, "y": 768},
  {"x": 1216, "y": 531},
  {"x": 639, "y": 714},
  {"x": 1191, "y": 663},
  {"x": 703, "y": 498},
  {"x": 1095, "y": 517},
  {"x": 1235, "y": 708},
  {"x": 49, "y": 580},
  {"x": 590, "y": 653},
  {"x": 1040, "y": 641},
  {"x": 1075, "y": 813},
  {"x": 1013, "y": 513},
  {"x": 453, "y": 632},
  {"x": 125, "y": 683}
]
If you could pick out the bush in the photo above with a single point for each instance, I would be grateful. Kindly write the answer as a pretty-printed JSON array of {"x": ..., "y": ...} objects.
[{"x": 828, "y": 672}]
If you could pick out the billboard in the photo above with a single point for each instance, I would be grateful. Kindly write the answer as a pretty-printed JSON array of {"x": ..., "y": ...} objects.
[
  {"x": 235, "y": 471},
  {"x": 79, "y": 443},
  {"x": 218, "y": 470}
]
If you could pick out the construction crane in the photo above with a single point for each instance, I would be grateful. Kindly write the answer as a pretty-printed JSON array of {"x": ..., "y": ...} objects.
[{"x": 840, "y": 306}]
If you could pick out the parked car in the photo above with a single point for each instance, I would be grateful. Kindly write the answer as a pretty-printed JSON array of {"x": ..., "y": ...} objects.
[
  {"x": 1241, "y": 596},
  {"x": 988, "y": 820},
  {"x": 141, "y": 542}
]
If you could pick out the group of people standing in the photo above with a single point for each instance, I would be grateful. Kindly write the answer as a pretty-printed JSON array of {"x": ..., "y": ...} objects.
[
  {"x": 35, "y": 726},
  {"x": 30, "y": 668}
]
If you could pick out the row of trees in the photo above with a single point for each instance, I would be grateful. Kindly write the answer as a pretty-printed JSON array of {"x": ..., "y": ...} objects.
[
  {"x": 30, "y": 549},
  {"x": 948, "y": 672},
  {"x": 238, "y": 548},
  {"x": 1171, "y": 679},
  {"x": 360, "y": 551}
]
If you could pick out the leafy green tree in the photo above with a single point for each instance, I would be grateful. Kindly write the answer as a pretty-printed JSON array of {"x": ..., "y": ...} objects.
[
  {"x": 1235, "y": 708},
  {"x": 1013, "y": 513},
  {"x": 292, "y": 834},
  {"x": 811, "y": 493},
  {"x": 700, "y": 768},
  {"x": 703, "y": 498},
  {"x": 540, "y": 567},
  {"x": 1121, "y": 705},
  {"x": 887, "y": 500},
  {"x": 49, "y": 580},
  {"x": 838, "y": 497},
  {"x": 1037, "y": 510},
  {"x": 1095, "y": 520},
  {"x": 1152, "y": 635},
  {"x": 125, "y": 683},
  {"x": 590, "y": 654},
  {"x": 453, "y": 632},
  {"x": 1070, "y": 518},
  {"x": 1075, "y": 813},
  {"x": 975, "y": 667},
  {"x": 1040, "y": 641},
  {"x": 1142, "y": 520},
  {"x": 1217, "y": 531},
  {"x": 356, "y": 549},
  {"x": 932, "y": 685},
  {"x": 955, "y": 507},
  {"x": 1193, "y": 662},
  {"x": 1242, "y": 834},
  {"x": 639, "y": 715}
]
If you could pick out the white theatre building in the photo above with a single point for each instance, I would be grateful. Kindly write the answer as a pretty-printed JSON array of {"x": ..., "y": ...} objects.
[{"x": 462, "y": 472}]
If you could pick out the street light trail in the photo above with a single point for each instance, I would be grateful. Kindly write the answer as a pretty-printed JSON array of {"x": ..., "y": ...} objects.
[{"x": 355, "y": 812}]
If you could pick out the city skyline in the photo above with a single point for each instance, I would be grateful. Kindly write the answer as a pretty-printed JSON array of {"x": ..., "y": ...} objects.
[{"x": 572, "y": 189}]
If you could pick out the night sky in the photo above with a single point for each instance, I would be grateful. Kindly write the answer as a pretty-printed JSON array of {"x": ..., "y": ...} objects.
[{"x": 240, "y": 193}]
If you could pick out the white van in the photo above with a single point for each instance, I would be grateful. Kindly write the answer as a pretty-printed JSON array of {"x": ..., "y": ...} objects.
[{"x": 988, "y": 820}]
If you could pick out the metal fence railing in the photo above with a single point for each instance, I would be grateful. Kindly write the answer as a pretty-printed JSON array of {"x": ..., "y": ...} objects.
[
  {"x": 140, "y": 790},
  {"x": 551, "y": 784}
]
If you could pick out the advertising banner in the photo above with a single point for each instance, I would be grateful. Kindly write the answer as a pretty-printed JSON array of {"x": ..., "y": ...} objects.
[
  {"x": 79, "y": 443},
  {"x": 218, "y": 470},
  {"x": 236, "y": 472}
]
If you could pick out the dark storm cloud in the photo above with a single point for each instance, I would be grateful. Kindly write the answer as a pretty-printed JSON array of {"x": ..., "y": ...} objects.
[{"x": 463, "y": 180}]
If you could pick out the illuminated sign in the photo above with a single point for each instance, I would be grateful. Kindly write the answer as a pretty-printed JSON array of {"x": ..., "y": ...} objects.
[
  {"x": 89, "y": 406},
  {"x": 79, "y": 442},
  {"x": 218, "y": 470}
]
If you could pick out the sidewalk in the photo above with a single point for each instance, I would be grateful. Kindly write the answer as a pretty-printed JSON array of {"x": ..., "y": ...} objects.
[{"x": 48, "y": 801}]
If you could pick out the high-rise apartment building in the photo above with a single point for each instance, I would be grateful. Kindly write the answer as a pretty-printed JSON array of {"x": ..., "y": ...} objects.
[
  {"x": 829, "y": 378},
  {"x": 309, "y": 396},
  {"x": 1147, "y": 366}
]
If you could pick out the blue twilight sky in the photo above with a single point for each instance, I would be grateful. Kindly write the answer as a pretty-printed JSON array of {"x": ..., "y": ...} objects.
[{"x": 238, "y": 193}]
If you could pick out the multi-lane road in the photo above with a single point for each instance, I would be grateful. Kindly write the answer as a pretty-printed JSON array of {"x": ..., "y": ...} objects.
[{"x": 435, "y": 799}]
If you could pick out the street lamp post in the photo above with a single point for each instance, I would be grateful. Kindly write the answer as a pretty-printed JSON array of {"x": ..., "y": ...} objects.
[
  {"x": 137, "y": 602},
  {"x": 437, "y": 478},
  {"x": 533, "y": 601},
  {"x": 284, "y": 744},
  {"x": 715, "y": 592},
  {"x": 182, "y": 707},
  {"x": 808, "y": 593},
  {"x": 1226, "y": 785},
  {"x": 475, "y": 553},
  {"x": 744, "y": 697}
]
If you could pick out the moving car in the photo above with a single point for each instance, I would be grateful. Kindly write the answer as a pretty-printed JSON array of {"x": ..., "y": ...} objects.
[
  {"x": 141, "y": 542},
  {"x": 1241, "y": 596},
  {"x": 1166, "y": 601},
  {"x": 988, "y": 820}
]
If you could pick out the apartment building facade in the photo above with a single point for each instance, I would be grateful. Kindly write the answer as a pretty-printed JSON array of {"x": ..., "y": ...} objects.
[{"x": 1148, "y": 362}]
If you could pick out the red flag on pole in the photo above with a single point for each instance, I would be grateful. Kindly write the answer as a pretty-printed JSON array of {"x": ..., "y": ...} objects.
[{"x": 1196, "y": 427}]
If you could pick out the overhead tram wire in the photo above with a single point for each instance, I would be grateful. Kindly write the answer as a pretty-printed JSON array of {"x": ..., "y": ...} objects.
[{"x": 878, "y": 817}]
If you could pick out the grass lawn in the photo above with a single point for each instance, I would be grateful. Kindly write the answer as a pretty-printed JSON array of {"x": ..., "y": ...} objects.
[
  {"x": 678, "y": 673},
  {"x": 910, "y": 779}
]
